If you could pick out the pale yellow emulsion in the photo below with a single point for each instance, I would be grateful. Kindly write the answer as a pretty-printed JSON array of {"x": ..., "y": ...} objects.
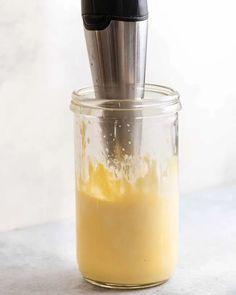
[{"x": 127, "y": 232}]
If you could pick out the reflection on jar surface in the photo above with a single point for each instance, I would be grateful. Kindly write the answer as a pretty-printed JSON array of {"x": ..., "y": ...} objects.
[{"x": 126, "y": 157}]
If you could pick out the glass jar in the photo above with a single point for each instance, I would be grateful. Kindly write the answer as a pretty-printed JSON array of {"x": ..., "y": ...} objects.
[{"x": 126, "y": 163}]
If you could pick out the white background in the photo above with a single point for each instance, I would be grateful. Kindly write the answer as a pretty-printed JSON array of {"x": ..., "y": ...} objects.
[{"x": 192, "y": 47}]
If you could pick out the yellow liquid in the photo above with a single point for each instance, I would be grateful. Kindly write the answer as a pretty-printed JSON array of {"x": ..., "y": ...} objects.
[{"x": 127, "y": 233}]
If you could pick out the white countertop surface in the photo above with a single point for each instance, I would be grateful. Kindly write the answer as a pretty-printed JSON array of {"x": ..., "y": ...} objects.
[{"x": 41, "y": 259}]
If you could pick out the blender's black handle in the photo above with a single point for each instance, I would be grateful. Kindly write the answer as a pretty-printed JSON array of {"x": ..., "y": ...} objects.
[{"x": 97, "y": 14}]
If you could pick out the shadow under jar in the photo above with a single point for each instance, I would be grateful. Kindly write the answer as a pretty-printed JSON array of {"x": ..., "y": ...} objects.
[{"x": 127, "y": 198}]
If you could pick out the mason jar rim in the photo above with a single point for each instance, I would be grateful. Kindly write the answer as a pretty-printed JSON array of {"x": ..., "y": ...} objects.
[{"x": 160, "y": 99}]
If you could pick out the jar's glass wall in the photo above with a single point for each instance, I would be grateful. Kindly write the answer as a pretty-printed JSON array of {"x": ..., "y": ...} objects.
[{"x": 126, "y": 196}]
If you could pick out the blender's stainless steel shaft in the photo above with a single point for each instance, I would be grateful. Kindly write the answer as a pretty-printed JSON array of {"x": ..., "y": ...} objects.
[
  {"x": 116, "y": 37},
  {"x": 117, "y": 58}
]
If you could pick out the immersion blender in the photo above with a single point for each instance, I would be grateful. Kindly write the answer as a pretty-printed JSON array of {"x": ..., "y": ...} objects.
[{"x": 116, "y": 37}]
